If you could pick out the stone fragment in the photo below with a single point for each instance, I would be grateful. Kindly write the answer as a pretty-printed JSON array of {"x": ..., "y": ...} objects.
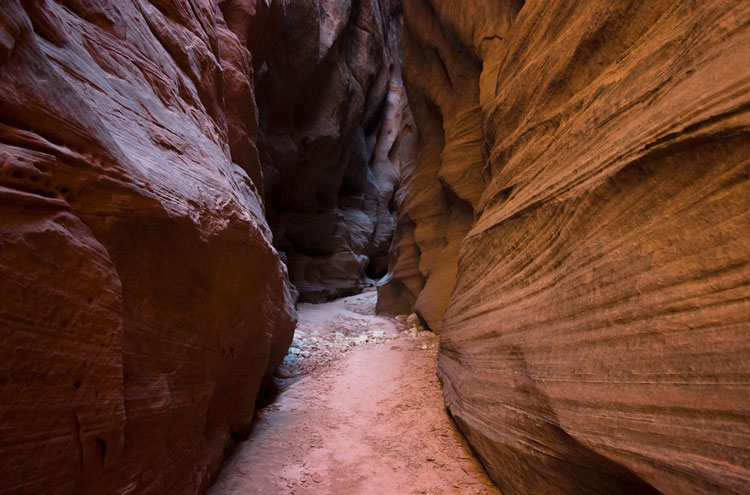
[{"x": 283, "y": 373}]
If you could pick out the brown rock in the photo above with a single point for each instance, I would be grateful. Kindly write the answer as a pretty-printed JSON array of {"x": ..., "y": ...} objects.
[
  {"x": 583, "y": 171},
  {"x": 333, "y": 113},
  {"x": 143, "y": 302},
  {"x": 442, "y": 67}
]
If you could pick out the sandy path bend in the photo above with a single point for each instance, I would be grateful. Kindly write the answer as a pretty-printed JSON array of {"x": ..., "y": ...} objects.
[{"x": 371, "y": 421}]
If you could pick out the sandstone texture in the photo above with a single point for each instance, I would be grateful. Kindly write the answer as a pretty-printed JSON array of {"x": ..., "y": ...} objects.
[
  {"x": 576, "y": 227},
  {"x": 142, "y": 300},
  {"x": 334, "y": 121},
  {"x": 443, "y": 47}
]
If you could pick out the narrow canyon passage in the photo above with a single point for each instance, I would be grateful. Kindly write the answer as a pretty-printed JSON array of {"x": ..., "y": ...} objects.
[
  {"x": 558, "y": 191},
  {"x": 369, "y": 419}
]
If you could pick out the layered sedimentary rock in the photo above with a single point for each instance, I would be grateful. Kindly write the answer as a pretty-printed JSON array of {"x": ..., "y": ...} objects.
[
  {"x": 579, "y": 214},
  {"x": 444, "y": 43},
  {"x": 142, "y": 300},
  {"x": 333, "y": 113}
]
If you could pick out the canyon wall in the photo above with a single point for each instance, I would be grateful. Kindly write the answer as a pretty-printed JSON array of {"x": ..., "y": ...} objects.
[
  {"x": 146, "y": 148},
  {"x": 142, "y": 300},
  {"x": 576, "y": 227},
  {"x": 333, "y": 125},
  {"x": 442, "y": 60}
]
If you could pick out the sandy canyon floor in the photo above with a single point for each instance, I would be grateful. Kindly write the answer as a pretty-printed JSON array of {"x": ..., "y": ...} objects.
[{"x": 361, "y": 413}]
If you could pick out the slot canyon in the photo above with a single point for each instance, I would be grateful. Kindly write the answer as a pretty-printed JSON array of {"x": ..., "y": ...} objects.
[{"x": 374, "y": 246}]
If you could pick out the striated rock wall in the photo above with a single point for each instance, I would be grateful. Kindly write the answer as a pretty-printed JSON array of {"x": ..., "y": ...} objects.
[
  {"x": 142, "y": 300},
  {"x": 333, "y": 121},
  {"x": 444, "y": 44},
  {"x": 579, "y": 216}
]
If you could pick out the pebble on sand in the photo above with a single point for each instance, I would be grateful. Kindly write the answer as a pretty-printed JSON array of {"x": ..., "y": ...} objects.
[{"x": 413, "y": 319}]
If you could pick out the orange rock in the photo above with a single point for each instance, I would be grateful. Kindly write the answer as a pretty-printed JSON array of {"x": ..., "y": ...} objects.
[{"x": 579, "y": 216}]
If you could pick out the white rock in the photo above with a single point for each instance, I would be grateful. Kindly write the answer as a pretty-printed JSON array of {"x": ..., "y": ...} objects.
[
  {"x": 294, "y": 350},
  {"x": 378, "y": 334}
]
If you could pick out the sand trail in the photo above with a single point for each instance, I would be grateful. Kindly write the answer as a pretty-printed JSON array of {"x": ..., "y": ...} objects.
[{"x": 362, "y": 415}]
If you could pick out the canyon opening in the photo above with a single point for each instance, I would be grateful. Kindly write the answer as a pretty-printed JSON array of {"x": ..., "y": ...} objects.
[{"x": 374, "y": 247}]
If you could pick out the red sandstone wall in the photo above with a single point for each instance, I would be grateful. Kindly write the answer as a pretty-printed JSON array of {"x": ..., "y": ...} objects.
[
  {"x": 142, "y": 300},
  {"x": 333, "y": 116},
  {"x": 578, "y": 218}
]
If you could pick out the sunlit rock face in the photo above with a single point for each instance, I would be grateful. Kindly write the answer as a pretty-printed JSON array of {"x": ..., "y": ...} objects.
[
  {"x": 576, "y": 227},
  {"x": 443, "y": 46},
  {"x": 142, "y": 300},
  {"x": 334, "y": 121}
]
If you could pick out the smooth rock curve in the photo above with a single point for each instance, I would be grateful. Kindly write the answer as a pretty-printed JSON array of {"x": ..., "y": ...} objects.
[
  {"x": 595, "y": 335},
  {"x": 143, "y": 301}
]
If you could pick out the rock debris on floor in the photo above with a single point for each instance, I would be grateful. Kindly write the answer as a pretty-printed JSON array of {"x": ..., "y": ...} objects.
[{"x": 363, "y": 413}]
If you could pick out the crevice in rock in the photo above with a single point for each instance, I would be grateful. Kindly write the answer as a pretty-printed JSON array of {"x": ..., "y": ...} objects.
[{"x": 325, "y": 141}]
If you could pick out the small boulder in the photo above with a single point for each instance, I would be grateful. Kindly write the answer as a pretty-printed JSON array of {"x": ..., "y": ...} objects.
[{"x": 283, "y": 373}]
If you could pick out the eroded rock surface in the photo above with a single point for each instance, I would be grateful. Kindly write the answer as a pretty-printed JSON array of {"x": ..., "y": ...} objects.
[
  {"x": 142, "y": 300},
  {"x": 443, "y": 47},
  {"x": 576, "y": 226},
  {"x": 334, "y": 120}
]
